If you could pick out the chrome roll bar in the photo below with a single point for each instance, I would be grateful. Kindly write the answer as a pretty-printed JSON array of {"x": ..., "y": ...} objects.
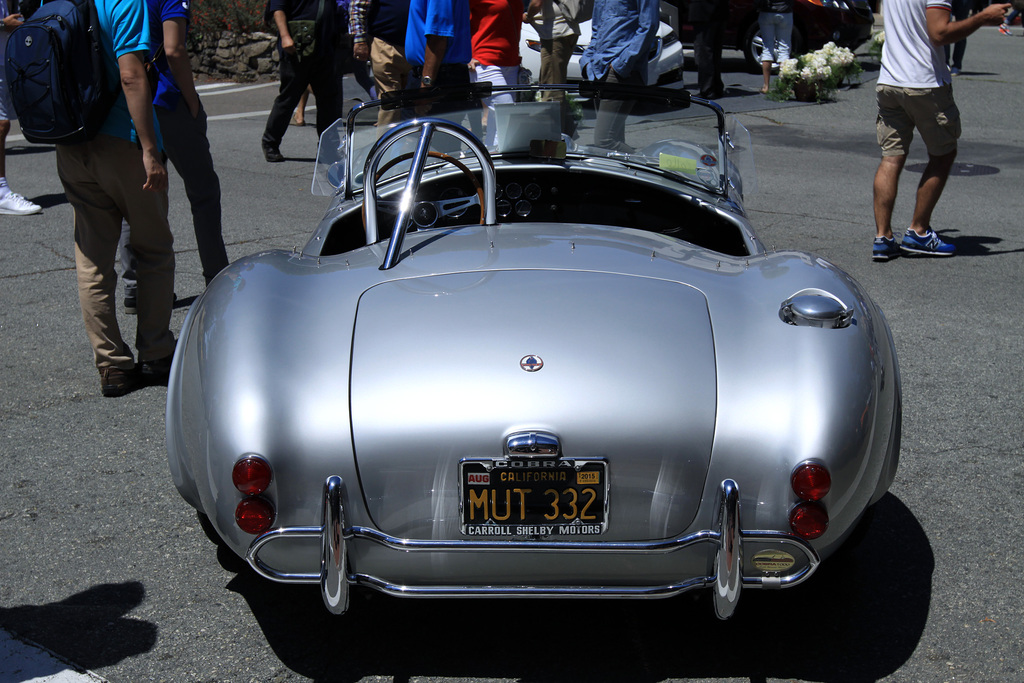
[{"x": 426, "y": 128}]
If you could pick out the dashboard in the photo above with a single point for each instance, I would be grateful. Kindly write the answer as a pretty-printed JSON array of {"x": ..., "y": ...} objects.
[{"x": 555, "y": 195}]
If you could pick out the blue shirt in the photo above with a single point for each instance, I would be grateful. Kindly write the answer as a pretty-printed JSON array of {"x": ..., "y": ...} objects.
[
  {"x": 446, "y": 18},
  {"x": 167, "y": 91},
  {"x": 622, "y": 34},
  {"x": 124, "y": 28}
]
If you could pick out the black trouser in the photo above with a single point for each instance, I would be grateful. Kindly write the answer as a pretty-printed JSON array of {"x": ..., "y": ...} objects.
[
  {"x": 317, "y": 72},
  {"x": 707, "y": 52}
]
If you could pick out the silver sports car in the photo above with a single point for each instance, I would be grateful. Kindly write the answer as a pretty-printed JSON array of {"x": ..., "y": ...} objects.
[{"x": 534, "y": 348}]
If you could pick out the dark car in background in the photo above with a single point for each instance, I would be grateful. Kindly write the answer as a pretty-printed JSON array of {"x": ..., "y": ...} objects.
[{"x": 847, "y": 23}]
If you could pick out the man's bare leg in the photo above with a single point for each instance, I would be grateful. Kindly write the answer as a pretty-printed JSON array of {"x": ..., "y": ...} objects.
[
  {"x": 933, "y": 180},
  {"x": 887, "y": 179}
]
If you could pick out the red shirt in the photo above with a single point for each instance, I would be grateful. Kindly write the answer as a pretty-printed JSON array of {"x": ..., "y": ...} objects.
[{"x": 496, "y": 25}]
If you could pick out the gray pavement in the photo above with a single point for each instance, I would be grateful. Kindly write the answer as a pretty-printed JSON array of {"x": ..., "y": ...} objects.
[{"x": 102, "y": 562}]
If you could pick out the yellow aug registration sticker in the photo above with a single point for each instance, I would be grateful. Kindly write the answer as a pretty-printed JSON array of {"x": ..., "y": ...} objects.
[{"x": 670, "y": 162}]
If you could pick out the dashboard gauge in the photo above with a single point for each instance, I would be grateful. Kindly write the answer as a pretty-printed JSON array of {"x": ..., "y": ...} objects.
[
  {"x": 424, "y": 214},
  {"x": 513, "y": 191},
  {"x": 504, "y": 208},
  {"x": 523, "y": 208},
  {"x": 532, "y": 192}
]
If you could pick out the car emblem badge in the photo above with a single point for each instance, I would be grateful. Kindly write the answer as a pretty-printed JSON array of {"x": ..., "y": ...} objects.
[
  {"x": 770, "y": 561},
  {"x": 709, "y": 160},
  {"x": 531, "y": 363}
]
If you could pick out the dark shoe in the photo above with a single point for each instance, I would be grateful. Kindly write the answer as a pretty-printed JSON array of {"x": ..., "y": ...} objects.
[
  {"x": 117, "y": 382},
  {"x": 885, "y": 249},
  {"x": 272, "y": 154},
  {"x": 157, "y": 371},
  {"x": 131, "y": 302}
]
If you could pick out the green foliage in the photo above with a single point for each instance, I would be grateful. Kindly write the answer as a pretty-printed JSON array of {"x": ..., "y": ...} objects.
[
  {"x": 875, "y": 44},
  {"x": 210, "y": 17}
]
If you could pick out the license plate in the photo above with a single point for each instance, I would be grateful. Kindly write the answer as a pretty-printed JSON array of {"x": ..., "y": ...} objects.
[{"x": 510, "y": 498}]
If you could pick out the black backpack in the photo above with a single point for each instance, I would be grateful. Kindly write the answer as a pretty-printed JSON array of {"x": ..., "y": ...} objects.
[{"x": 55, "y": 74}]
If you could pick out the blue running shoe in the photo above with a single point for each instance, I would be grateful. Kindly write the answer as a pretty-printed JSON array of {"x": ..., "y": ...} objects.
[
  {"x": 884, "y": 249},
  {"x": 929, "y": 244}
]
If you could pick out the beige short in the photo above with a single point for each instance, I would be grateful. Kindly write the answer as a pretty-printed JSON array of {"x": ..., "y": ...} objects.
[{"x": 931, "y": 110}]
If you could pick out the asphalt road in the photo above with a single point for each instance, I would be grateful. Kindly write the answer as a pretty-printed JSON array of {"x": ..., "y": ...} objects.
[{"x": 104, "y": 564}]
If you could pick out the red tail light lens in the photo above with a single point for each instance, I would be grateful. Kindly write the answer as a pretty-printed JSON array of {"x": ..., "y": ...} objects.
[
  {"x": 808, "y": 520},
  {"x": 254, "y": 515},
  {"x": 811, "y": 481},
  {"x": 252, "y": 475}
]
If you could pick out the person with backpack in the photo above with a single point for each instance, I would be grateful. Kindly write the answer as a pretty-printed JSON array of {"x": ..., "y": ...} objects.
[
  {"x": 119, "y": 174},
  {"x": 11, "y": 203},
  {"x": 182, "y": 122},
  {"x": 307, "y": 31}
]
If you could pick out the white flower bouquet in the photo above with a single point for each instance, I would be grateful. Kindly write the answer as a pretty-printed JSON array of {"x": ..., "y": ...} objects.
[{"x": 815, "y": 75}]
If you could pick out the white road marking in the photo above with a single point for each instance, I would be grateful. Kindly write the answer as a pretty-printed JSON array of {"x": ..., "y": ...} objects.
[
  {"x": 211, "y": 89},
  {"x": 20, "y": 661},
  {"x": 250, "y": 114}
]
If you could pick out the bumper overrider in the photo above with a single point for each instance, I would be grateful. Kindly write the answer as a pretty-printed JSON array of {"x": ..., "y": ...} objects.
[{"x": 728, "y": 579}]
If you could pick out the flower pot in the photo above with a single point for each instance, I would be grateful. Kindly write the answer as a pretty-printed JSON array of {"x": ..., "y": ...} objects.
[{"x": 805, "y": 92}]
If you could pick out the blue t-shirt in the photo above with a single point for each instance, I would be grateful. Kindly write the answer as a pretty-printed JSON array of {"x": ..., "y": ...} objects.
[
  {"x": 167, "y": 91},
  {"x": 447, "y": 18},
  {"x": 124, "y": 28}
]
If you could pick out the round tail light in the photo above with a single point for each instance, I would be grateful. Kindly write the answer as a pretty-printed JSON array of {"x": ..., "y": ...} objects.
[
  {"x": 808, "y": 520},
  {"x": 811, "y": 481},
  {"x": 254, "y": 515},
  {"x": 251, "y": 475}
]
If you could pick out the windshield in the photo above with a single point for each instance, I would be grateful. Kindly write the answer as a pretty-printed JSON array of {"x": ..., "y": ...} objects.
[{"x": 651, "y": 127}]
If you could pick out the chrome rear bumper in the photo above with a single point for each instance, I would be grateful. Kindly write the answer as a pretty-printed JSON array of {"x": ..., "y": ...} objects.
[{"x": 728, "y": 580}]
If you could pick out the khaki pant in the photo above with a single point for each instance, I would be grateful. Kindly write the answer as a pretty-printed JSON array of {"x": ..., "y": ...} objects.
[
  {"x": 931, "y": 111},
  {"x": 103, "y": 180},
  {"x": 554, "y": 68},
  {"x": 391, "y": 72}
]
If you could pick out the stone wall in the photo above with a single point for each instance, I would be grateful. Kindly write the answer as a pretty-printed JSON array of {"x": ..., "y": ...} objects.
[{"x": 240, "y": 57}]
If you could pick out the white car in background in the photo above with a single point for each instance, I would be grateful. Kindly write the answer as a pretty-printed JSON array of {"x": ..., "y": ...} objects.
[{"x": 664, "y": 63}]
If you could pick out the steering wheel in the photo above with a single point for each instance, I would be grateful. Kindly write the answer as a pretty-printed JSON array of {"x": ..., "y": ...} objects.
[
  {"x": 424, "y": 129},
  {"x": 444, "y": 207}
]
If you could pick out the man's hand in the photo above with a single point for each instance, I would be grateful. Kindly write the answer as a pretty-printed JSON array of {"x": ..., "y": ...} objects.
[
  {"x": 361, "y": 51},
  {"x": 156, "y": 172},
  {"x": 993, "y": 15},
  {"x": 942, "y": 31},
  {"x": 533, "y": 9},
  {"x": 287, "y": 42},
  {"x": 13, "y": 21}
]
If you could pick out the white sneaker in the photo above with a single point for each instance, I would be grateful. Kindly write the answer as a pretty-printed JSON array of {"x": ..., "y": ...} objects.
[{"x": 14, "y": 204}]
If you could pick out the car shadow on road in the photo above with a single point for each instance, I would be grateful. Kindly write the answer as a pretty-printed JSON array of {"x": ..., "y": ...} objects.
[
  {"x": 89, "y": 628},
  {"x": 859, "y": 619}
]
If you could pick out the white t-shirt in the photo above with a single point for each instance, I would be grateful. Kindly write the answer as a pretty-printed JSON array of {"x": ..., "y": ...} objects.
[{"x": 909, "y": 58}]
